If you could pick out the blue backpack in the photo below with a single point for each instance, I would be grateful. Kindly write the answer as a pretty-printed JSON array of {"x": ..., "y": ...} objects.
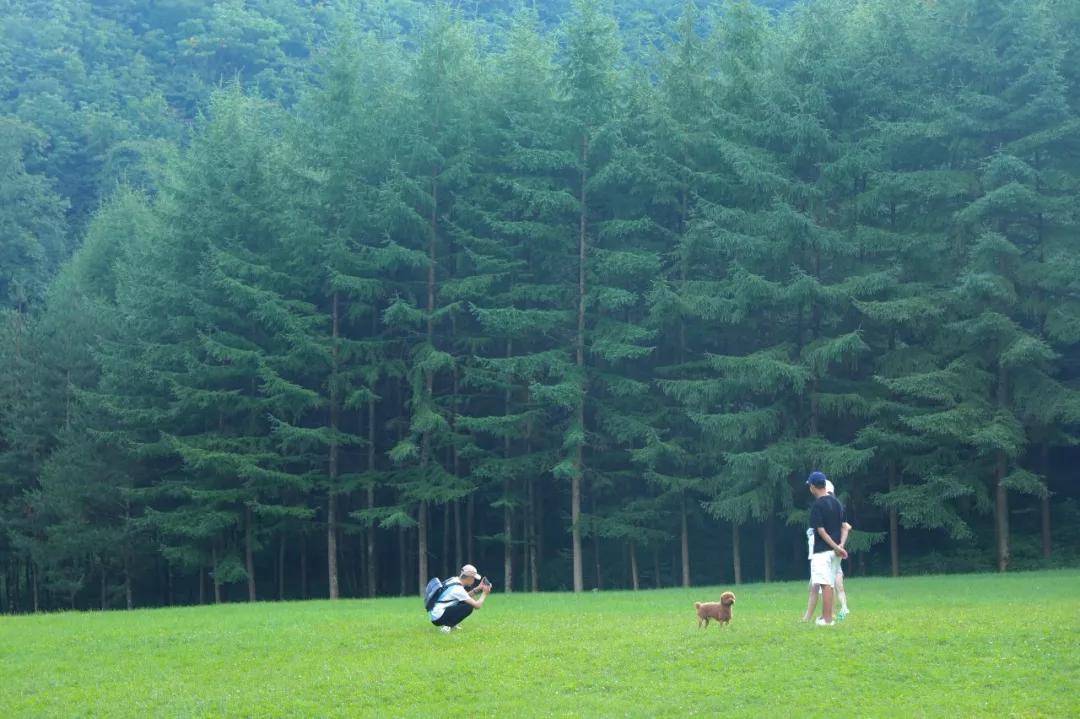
[{"x": 433, "y": 592}]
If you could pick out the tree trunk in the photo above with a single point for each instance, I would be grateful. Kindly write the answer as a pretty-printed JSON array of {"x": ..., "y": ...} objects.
[
  {"x": 633, "y": 567},
  {"x": 1001, "y": 497},
  {"x": 429, "y": 383},
  {"x": 128, "y": 595},
  {"x": 281, "y": 568},
  {"x": 1047, "y": 544},
  {"x": 34, "y": 587},
  {"x": 508, "y": 513},
  {"x": 1001, "y": 511},
  {"x": 217, "y": 580},
  {"x": 458, "y": 537},
  {"x": 459, "y": 546},
  {"x": 422, "y": 542},
  {"x": 656, "y": 568},
  {"x": 422, "y": 545},
  {"x": 470, "y": 515},
  {"x": 372, "y": 568},
  {"x": 508, "y": 547},
  {"x": 769, "y": 548},
  {"x": 331, "y": 543},
  {"x": 303, "y": 567},
  {"x": 1045, "y": 502},
  {"x": 894, "y": 525},
  {"x": 579, "y": 459},
  {"x": 736, "y": 554},
  {"x": 534, "y": 570},
  {"x": 575, "y": 520},
  {"x": 445, "y": 549},
  {"x": 202, "y": 585},
  {"x": 331, "y": 499},
  {"x": 523, "y": 562},
  {"x": 685, "y": 540},
  {"x": 127, "y": 559},
  {"x": 401, "y": 560},
  {"x": 596, "y": 560},
  {"x": 13, "y": 588},
  {"x": 249, "y": 552}
]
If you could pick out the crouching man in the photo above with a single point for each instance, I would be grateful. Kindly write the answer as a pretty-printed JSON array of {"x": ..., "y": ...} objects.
[{"x": 461, "y": 595}]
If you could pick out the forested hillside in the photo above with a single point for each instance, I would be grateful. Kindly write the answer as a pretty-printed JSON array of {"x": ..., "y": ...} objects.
[{"x": 322, "y": 299}]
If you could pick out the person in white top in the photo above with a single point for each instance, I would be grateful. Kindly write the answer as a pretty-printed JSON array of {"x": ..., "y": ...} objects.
[
  {"x": 815, "y": 591},
  {"x": 460, "y": 596}
]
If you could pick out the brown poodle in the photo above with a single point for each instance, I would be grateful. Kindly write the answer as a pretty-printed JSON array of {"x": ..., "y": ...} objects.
[{"x": 720, "y": 611}]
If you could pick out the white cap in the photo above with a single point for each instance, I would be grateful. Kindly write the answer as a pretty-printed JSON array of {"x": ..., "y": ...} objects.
[
  {"x": 470, "y": 571},
  {"x": 829, "y": 487}
]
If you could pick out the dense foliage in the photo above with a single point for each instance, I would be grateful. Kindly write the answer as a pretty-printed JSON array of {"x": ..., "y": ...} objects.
[{"x": 307, "y": 300}]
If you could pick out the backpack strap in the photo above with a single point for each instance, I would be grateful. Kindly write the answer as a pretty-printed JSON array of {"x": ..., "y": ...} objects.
[{"x": 445, "y": 586}]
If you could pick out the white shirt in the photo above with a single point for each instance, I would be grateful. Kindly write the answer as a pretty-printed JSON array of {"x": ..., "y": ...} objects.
[{"x": 454, "y": 593}]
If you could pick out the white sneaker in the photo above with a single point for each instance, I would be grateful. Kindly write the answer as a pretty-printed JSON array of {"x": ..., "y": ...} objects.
[
  {"x": 822, "y": 623},
  {"x": 446, "y": 630},
  {"x": 842, "y": 614}
]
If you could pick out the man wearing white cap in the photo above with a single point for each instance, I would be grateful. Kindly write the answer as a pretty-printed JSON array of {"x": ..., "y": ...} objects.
[{"x": 457, "y": 601}]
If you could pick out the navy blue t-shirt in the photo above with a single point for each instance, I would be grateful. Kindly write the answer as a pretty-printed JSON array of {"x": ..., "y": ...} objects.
[{"x": 826, "y": 512}]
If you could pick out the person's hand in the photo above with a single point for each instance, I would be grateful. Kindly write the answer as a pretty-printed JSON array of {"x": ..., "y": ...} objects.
[
  {"x": 485, "y": 588},
  {"x": 841, "y": 552}
]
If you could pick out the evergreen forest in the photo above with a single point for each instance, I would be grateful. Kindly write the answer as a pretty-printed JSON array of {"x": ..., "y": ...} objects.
[{"x": 310, "y": 299}]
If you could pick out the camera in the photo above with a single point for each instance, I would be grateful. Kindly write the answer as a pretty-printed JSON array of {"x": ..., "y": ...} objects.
[{"x": 485, "y": 582}]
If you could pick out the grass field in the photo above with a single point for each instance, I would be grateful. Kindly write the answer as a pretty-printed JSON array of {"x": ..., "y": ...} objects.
[{"x": 977, "y": 645}]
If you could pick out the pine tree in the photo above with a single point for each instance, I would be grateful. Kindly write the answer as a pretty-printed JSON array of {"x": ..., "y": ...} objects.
[
  {"x": 509, "y": 233},
  {"x": 32, "y": 223},
  {"x": 589, "y": 87},
  {"x": 220, "y": 368},
  {"x": 683, "y": 155},
  {"x": 1000, "y": 365},
  {"x": 435, "y": 145},
  {"x": 333, "y": 224}
]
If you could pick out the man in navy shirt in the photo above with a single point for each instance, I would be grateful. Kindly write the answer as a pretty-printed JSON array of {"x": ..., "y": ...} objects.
[
  {"x": 827, "y": 520},
  {"x": 838, "y": 588}
]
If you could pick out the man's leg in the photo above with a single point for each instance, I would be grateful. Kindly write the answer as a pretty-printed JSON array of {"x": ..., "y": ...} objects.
[
  {"x": 826, "y": 603},
  {"x": 811, "y": 603},
  {"x": 840, "y": 593},
  {"x": 453, "y": 615}
]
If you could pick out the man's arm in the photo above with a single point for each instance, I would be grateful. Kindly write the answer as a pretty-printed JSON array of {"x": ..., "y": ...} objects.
[
  {"x": 845, "y": 529},
  {"x": 829, "y": 540},
  {"x": 477, "y": 603}
]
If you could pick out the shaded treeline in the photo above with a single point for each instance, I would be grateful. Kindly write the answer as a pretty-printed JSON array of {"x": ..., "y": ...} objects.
[{"x": 582, "y": 317}]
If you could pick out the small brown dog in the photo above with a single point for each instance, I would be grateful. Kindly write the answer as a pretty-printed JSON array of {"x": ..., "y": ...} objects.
[{"x": 720, "y": 611}]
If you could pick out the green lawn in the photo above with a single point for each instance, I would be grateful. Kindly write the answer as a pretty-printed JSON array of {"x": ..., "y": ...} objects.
[{"x": 977, "y": 645}]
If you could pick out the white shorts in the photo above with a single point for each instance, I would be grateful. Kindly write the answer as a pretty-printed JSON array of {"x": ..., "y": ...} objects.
[{"x": 823, "y": 568}]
